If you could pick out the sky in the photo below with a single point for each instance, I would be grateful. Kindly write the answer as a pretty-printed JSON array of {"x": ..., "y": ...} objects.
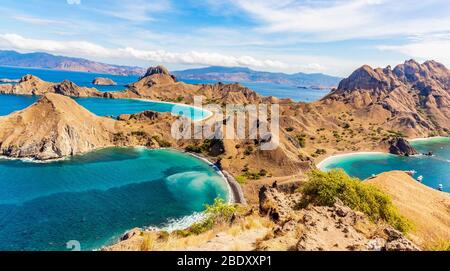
[{"x": 327, "y": 36}]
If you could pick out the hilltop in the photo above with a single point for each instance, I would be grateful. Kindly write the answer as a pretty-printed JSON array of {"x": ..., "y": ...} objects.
[
  {"x": 49, "y": 61},
  {"x": 428, "y": 207},
  {"x": 241, "y": 74},
  {"x": 412, "y": 97},
  {"x": 53, "y": 127}
]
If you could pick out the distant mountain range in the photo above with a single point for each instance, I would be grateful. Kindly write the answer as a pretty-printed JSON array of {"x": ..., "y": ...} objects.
[
  {"x": 239, "y": 74},
  {"x": 49, "y": 61},
  {"x": 216, "y": 73}
]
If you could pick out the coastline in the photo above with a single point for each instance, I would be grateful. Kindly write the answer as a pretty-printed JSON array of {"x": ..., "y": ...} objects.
[
  {"x": 327, "y": 159},
  {"x": 433, "y": 138},
  {"x": 235, "y": 193},
  {"x": 320, "y": 164},
  {"x": 209, "y": 113}
]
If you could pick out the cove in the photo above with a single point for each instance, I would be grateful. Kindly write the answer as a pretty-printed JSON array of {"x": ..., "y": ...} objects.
[
  {"x": 435, "y": 169},
  {"x": 96, "y": 197}
]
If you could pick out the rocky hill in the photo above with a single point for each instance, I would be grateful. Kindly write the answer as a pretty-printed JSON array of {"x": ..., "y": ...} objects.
[
  {"x": 32, "y": 85},
  {"x": 412, "y": 97},
  {"x": 102, "y": 81},
  {"x": 49, "y": 61},
  {"x": 240, "y": 74},
  {"x": 427, "y": 207},
  {"x": 54, "y": 127}
]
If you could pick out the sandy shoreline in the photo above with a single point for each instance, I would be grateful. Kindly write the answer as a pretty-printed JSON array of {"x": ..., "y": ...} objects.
[
  {"x": 209, "y": 113},
  {"x": 321, "y": 163},
  {"x": 428, "y": 138},
  {"x": 327, "y": 159}
]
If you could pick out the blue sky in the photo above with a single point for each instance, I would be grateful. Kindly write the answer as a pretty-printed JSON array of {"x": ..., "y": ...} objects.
[{"x": 330, "y": 36}]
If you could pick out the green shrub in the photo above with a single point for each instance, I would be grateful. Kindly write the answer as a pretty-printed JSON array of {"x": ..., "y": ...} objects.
[
  {"x": 217, "y": 213},
  {"x": 323, "y": 188},
  {"x": 138, "y": 133},
  {"x": 321, "y": 151},
  {"x": 241, "y": 179},
  {"x": 193, "y": 148},
  {"x": 289, "y": 129},
  {"x": 248, "y": 150},
  {"x": 161, "y": 142},
  {"x": 301, "y": 140}
]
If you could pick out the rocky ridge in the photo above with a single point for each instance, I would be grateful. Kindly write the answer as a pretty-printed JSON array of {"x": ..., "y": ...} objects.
[
  {"x": 412, "y": 96},
  {"x": 32, "y": 85}
]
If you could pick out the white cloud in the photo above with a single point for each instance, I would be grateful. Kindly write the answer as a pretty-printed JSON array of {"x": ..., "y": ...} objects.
[
  {"x": 91, "y": 50},
  {"x": 435, "y": 49},
  {"x": 35, "y": 20},
  {"x": 339, "y": 20}
]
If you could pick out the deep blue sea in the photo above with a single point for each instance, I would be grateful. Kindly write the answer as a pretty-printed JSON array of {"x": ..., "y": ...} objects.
[
  {"x": 80, "y": 78},
  {"x": 95, "y": 198},
  {"x": 435, "y": 169},
  {"x": 85, "y": 79},
  {"x": 276, "y": 90}
]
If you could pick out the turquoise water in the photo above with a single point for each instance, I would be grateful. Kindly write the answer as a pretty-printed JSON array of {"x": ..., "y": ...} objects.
[
  {"x": 80, "y": 78},
  {"x": 435, "y": 170},
  {"x": 85, "y": 79},
  {"x": 96, "y": 197},
  {"x": 105, "y": 107}
]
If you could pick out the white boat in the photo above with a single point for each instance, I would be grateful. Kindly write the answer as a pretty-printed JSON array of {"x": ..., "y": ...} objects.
[
  {"x": 420, "y": 178},
  {"x": 440, "y": 187}
]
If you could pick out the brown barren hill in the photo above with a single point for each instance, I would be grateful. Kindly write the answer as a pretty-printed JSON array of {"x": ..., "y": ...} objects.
[
  {"x": 33, "y": 85},
  {"x": 427, "y": 208},
  {"x": 54, "y": 127}
]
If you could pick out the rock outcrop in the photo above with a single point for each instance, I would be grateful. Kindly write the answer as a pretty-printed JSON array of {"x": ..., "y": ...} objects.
[
  {"x": 401, "y": 146},
  {"x": 324, "y": 228},
  {"x": 102, "y": 81},
  {"x": 157, "y": 70},
  {"x": 54, "y": 127},
  {"x": 141, "y": 116}
]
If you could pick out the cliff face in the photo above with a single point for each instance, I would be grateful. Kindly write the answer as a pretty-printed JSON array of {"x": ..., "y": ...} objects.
[
  {"x": 413, "y": 97},
  {"x": 54, "y": 127},
  {"x": 32, "y": 85},
  {"x": 400, "y": 146}
]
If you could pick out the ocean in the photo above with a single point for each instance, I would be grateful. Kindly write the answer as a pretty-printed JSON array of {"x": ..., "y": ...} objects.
[
  {"x": 85, "y": 79},
  {"x": 94, "y": 198}
]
